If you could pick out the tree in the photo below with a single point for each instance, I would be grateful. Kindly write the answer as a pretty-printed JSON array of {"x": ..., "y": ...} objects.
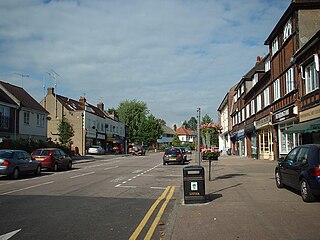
[
  {"x": 66, "y": 132},
  {"x": 206, "y": 119},
  {"x": 176, "y": 141},
  {"x": 185, "y": 124},
  {"x": 133, "y": 113},
  {"x": 150, "y": 130},
  {"x": 192, "y": 123}
]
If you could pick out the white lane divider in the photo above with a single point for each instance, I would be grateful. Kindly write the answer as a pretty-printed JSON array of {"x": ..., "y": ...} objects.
[
  {"x": 111, "y": 167},
  {"x": 26, "y": 188},
  {"x": 81, "y": 175}
]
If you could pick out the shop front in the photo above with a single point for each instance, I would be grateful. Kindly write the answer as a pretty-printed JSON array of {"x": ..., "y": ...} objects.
[
  {"x": 284, "y": 120},
  {"x": 265, "y": 138},
  {"x": 251, "y": 137},
  {"x": 241, "y": 142}
]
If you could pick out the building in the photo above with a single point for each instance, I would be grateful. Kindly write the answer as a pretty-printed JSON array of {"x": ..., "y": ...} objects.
[
  {"x": 299, "y": 23},
  {"x": 92, "y": 125},
  {"x": 21, "y": 116},
  {"x": 166, "y": 138},
  {"x": 186, "y": 135},
  {"x": 224, "y": 137}
]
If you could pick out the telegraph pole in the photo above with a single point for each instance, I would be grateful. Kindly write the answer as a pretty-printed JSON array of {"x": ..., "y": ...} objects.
[{"x": 198, "y": 136}]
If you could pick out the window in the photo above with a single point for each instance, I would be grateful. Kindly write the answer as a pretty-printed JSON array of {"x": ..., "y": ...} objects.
[
  {"x": 258, "y": 102},
  {"x": 252, "y": 107},
  {"x": 266, "y": 97},
  {"x": 255, "y": 79},
  {"x": 287, "y": 30},
  {"x": 248, "y": 110},
  {"x": 311, "y": 78},
  {"x": 26, "y": 118},
  {"x": 242, "y": 88},
  {"x": 275, "y": 46},
  {"x": 276, "y": 89},
  {"x": 267, "y": 66},
  {"x": 239, "y": 117},
  {"x": 40, "y": 120},
  {"x": 289, "y": 80},
  {"x": 287, "y": 141},
  {"x": 242, "y": 114},
  {"x": 4, "y": 117}
]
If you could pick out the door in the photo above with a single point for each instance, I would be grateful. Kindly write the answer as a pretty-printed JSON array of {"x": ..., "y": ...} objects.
[
  {"x": 287, "y": 166},
  {"x": 21, "y": 161},
  {"x": 298, "y": 166}
]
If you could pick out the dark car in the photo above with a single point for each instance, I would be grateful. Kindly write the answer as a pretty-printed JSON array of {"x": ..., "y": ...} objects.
[
  {"x": 15, "y": 162},
  {"x": 184, "y": 153},
  {"x": 138, "y": 150},
  {"x": 173, "y": 155},
  {"x": 300, "y": 169},
  {"x": 52, "y": 159}
]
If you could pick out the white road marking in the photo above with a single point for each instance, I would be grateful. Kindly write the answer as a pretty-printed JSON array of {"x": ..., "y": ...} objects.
[
  {"x": 26, "y": 188},
  {"x": 111, "y": 167},
  {"x": 126, "y": 186},
  {"x": 158, "y": 188},
  {"x": 81, "y": 175},
  {"x": 9, "y": 235}
]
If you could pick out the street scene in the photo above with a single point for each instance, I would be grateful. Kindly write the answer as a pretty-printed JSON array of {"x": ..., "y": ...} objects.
[
  {"x": 169, "y": 120},
  {"x": 109, "y": 197}
]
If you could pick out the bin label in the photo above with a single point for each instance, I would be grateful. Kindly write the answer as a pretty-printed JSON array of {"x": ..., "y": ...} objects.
[{"x": 194, "y": 186}]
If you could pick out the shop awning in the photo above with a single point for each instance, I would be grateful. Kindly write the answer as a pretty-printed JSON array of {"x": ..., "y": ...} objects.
[{"x": 305, "y": 127}]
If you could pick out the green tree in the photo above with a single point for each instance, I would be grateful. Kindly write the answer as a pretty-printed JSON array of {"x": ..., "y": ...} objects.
[
  {"x": 185, "y": 124},
  {"x": 66, "y": 132},
  {"x": 176, "y": 141},
  {"x": 133, "y": 114},
  {"x": 150, "y": 130},
  {"x": 192, "y": 123},
  {"x": 206, "y": 119}
]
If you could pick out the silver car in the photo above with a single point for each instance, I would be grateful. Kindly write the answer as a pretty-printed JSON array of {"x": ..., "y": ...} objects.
[
  {"x": 96, "y": 149},
  {"x": 15, "y": 162}
]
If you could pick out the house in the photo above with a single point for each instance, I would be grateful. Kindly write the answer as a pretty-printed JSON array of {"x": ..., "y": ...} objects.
[
  {"x": 21, "y": 116},
  {"x": 92, "y": 125},
  {"x": 166, "y": 138},
  {"x": 186, "y": 135}
]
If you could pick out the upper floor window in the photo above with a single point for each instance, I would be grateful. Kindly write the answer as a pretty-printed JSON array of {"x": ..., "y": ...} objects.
[
  {"x": 255, "y": 79},
  {"x": 311, "y": 78},
  {"x": 40, "y": 120},
  {"x": 248, "y": 111},
  {"x": 287, "y": 30},
  {"x": 289, "y": 80},
  {"x": 275, "y": 46},
  {"x": 26, "y": 118},
  {"x": 242, "y": 114},
  {"x": 242, "y": 88},
  {"x": 276, "y": 89},
  {"x": 258, "y": 102},
  {"x": 266, "y": 97},
  {"x": 267, "y": 66},
  {"x": 252, "y": 107}
]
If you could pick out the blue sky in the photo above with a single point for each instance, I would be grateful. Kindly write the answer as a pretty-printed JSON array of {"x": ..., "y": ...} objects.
[{"x": 174, "y": 55}]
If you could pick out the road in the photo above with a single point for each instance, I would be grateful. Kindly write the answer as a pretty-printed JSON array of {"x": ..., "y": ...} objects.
[{"x": 103, "y": 199}]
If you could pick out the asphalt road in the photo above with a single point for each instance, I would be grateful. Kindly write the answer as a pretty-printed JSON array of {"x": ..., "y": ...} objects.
[{"x": 103, "y": 199}]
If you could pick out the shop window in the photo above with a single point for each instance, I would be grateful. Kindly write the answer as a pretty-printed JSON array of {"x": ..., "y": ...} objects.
[{"x": 287, "y": 140}]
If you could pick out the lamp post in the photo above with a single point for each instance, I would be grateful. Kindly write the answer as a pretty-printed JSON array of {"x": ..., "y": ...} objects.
[
  {"x": 198, "y": 136},
  {"x": 82, "y": 126}
]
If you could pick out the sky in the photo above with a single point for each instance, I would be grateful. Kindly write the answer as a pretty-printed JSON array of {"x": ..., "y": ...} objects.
[{"x": 174, "y": 55}]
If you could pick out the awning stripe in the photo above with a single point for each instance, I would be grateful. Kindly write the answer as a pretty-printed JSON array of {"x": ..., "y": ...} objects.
[{"x": 305, "y": 127}]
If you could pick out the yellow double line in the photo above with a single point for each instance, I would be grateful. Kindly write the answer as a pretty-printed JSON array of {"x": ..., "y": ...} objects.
[{"x": 151, "y": 210}]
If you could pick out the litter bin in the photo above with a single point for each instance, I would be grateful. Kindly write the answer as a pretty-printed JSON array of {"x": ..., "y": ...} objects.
[{"x": 193, "y": 184}]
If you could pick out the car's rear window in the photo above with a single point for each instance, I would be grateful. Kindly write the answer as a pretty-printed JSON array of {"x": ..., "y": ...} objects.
[
  {"x": 40, "y": 152},
  {"x": 6, "y": 154},
  {"x": 172, "y": 151}
]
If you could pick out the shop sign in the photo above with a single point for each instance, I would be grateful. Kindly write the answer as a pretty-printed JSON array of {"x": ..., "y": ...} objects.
[
  {"x": 249, "y": 128},
  {"x": 310, "y": 114},
  {"x": 283, "y": 115},
  {"x": 263, "y": 122},
  {"x": 240, "y": 133}
]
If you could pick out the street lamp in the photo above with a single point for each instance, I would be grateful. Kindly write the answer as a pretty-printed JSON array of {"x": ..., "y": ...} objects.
[{"x": 198, "y": 136}]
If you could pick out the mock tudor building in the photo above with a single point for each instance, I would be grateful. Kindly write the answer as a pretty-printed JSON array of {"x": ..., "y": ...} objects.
[
  {"x": 21, "y": 116},
  {"x": 92, "y": 125}
]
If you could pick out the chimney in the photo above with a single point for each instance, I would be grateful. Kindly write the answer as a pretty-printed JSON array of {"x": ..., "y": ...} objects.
[
  {"x": 50, "y": 91},
  {"x": 100, "y": 106},
  {"x": 259, "y": 59},
  {"x": 82, "y": 100}
]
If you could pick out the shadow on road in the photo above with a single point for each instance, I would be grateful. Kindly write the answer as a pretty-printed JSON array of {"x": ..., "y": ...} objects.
[{"x": 227, "y": 176}]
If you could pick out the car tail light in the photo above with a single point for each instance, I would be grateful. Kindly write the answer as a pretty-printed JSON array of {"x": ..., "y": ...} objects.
[
  {"x": 316, "y": 171},
  {"x": 179, "y": 155},
  {"x": 166, "y": 155},
  {"x": 5, "y": 163}
]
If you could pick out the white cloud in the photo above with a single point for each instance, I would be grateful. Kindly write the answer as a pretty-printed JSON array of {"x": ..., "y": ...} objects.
[{"x": 173, "y": 55}]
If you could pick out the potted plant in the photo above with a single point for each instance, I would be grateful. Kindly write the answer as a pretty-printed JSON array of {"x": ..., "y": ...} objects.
[{"x": 210, "y": 155}]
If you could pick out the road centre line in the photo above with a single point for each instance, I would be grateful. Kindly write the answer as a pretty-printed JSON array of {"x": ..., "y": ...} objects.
[
  {"x": 26, "y": 188},
  {"x": 148, "y": 215},
  {"x": 81, "y": 175},
  {"x": 126, "y": 186},
  {"x": 111, "y": 167}
]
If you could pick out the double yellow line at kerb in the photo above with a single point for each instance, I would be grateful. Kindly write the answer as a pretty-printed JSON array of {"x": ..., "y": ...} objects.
[{"x": 144, "y": 221}]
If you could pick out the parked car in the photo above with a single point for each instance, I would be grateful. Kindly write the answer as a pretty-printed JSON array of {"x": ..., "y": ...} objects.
[
  {"x": 16, "y": 162},
  {"x": 184, "y": 153},
  {"x": 172, "y": 155},
  {"x": 138, "y": 150},
  {"x": 53, "y": 159},
  {"x": 300, "y": 169},
  {"x": 189, "y": 151},
  {"x": 96, "y": 149}
]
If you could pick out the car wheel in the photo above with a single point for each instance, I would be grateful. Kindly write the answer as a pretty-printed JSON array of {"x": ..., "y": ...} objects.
[
  {"x": 164, "y": 163},
  {"x": 55, "y": 167},
  {"x": 37, "y": 171},
  {"x": 306, "y": 193},
  {"x": 278, "y": 179},
  {"x": 16, "y": 173},
  {"x": 69, "y": 165}
]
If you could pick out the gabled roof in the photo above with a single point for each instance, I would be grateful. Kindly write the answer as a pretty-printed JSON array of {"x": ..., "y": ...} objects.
[
  {"x": 21, "y": 97},
  {"x": 6, "y": 99},
  {"x": 167, "y": 130},
  {"x": 184, "y": 131}
]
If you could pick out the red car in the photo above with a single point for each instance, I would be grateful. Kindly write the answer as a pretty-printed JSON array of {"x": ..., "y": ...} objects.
[{"x": 53, "y": 159}]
